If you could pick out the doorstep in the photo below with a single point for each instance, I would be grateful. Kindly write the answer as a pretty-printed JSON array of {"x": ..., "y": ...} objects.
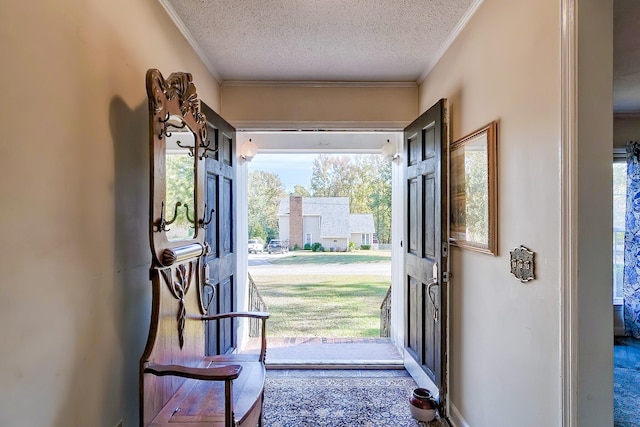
[{"x": 329, "y": 353}]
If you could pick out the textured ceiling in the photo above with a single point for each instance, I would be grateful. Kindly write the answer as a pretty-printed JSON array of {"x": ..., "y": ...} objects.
[
  {"x": 321, "y": 40},
  {"x": 358, "y": 40}
]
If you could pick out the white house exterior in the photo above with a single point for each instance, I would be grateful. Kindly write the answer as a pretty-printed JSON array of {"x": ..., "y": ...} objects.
[
  {"x": 325, "y": 220},
  {"x": 361, "y": 228}
]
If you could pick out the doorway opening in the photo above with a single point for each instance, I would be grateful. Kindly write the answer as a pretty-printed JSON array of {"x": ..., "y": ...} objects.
[
  {"x": 626, "y": 351},
  {"x": 319, "y": 207}
]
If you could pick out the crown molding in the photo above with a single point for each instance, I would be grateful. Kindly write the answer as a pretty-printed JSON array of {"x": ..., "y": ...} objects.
[
  {"x": 257, "y": 126},
  {"x": 449, "y": 41},
  {"x": 187, "y": 35},
  {"x": 304, "y": 83}
]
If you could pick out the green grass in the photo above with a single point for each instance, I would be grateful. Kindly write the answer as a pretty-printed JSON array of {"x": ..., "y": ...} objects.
[
  {"x": 325, "y": 306},
  {"x": 308, "y": 257}
]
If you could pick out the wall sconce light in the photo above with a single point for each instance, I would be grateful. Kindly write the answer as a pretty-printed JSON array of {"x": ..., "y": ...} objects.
[
  {"x": 389, "y": 150},
  {"x": 248, "y": 150}
]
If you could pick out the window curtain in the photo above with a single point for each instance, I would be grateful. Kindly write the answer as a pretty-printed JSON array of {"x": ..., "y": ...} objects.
[{"x": 631, "y": 278}]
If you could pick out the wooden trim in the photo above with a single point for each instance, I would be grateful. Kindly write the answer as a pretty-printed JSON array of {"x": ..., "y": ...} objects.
[
  {"x": 569, "y": 221},
  {"x": 491, "y": 248},
  {"x": 217, "y": 373}
]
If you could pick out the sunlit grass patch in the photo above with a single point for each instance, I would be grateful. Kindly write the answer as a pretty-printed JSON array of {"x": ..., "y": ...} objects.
[
  {"x": 308, "y": 257},
  {"x": 324, "y": 306}
]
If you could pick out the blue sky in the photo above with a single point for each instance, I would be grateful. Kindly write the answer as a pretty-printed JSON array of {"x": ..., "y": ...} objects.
[{"x": 291, "y": 168}]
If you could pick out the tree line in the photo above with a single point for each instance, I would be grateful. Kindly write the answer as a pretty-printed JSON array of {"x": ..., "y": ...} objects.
[{"x": 365, "y": 179}]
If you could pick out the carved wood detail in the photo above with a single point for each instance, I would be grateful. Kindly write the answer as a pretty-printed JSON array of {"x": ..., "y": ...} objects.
[
  {"x": 180, "y": 86},
  {"x": 179, "y": 289}
]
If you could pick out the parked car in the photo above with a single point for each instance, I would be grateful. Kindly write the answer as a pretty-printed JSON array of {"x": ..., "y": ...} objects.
[
  {"x": 277, "y": 247},
  {"x": 255, "y": 246}
]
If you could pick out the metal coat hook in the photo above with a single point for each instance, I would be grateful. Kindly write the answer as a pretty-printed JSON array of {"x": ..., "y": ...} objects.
[
  {"x": 206, "y": 151},
  {"x": 163, "y": 222},
  {"x": 165, "y": 121},
  {"x": 186, "y": 207},
  {"x": 204, "y": 222},
  {"x": 179, "y": 144}
]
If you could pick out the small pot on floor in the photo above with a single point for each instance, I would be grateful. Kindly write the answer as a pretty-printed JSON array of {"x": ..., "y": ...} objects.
[{"x": 422, "y": 405}]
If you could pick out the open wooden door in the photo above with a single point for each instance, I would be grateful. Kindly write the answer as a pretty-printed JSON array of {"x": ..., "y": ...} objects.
[
  {"x": 426, "y": 248},
  {"x": 220, "y": 261}
]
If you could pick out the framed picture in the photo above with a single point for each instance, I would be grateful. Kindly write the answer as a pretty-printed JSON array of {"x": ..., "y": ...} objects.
[{"x": 474, "y": 191}]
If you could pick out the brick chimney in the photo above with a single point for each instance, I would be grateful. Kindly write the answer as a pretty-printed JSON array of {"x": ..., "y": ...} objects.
[{"x": 295, "y": 221}]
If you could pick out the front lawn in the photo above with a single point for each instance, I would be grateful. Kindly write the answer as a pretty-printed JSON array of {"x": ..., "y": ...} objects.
[
  {"x": 308, "y": 257},
  {"x": 323, "y": 306}
]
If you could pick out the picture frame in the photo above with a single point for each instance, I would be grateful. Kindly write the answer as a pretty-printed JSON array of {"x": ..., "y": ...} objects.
[{"x": 473, "y": 191}]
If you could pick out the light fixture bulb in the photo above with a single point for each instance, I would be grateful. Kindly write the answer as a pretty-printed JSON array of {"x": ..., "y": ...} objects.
[
  {"x": 248, "y": 150},
  {"x": 388, "y": 150}
]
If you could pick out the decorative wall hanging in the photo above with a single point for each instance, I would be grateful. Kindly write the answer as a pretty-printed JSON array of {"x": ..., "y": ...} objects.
[{"x": 474, "y": 191}]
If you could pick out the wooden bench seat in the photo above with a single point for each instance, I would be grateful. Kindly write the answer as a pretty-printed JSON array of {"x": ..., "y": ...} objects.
[
  {"x": 199, "y": 403},
  {"x": 180, "y": 390}
]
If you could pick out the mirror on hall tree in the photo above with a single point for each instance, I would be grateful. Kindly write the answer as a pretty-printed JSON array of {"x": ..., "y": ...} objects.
[
  {"x": 177, "y": 129},
  {"x": 180, "y": 185}
]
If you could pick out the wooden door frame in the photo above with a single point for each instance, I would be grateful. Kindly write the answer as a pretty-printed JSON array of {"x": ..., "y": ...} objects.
[
  {"x": 569, "y": 223},
  {"x": 582, "y": 346}
]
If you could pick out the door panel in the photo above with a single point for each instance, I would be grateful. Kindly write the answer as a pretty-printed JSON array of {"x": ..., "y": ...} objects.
[
  {"x": 220, "y": 232},
  {"x": 211, "y": 236},
  {"x": 227, "y": 220},
  {"x": 426, "y": 204},
  {"x": 413, "y": 209},
  {"x": 429, "y": 209}
]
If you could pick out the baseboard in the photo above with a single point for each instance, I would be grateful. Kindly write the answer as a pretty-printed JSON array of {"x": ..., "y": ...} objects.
[{"x": 456, "y": 418}]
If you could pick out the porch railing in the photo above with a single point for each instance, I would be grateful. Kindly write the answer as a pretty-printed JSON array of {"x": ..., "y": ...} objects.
[
  {"x": 385, "y": 315},
  {"x": 256, "y": 303}
]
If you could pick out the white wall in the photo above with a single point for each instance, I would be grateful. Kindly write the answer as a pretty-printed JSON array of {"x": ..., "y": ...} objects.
[
  {"x": 625, "y": 129},
  {"x": 504, "y": 350},
  {"x": 311, "y": 224},
  {"x": 325, "y": 106},
  {"x": 283, "y": 228},
  {"x": 594, "y": 358},
  {"x": 336, "y": 244},
  {"x": 75, "y": 295}
]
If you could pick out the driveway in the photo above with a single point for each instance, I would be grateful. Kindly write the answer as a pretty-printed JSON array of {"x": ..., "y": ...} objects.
[{"x": 259, "y": 264}]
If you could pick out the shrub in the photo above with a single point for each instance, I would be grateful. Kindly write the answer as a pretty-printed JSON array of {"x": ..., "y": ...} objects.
[
  {"x": 352, "y": 246},
  {"x": 307, "y": 246},
  {"x": 317, "y": 247},
  {"x": 365, "y": 247},
  {"x": 296, "y": 247}
]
